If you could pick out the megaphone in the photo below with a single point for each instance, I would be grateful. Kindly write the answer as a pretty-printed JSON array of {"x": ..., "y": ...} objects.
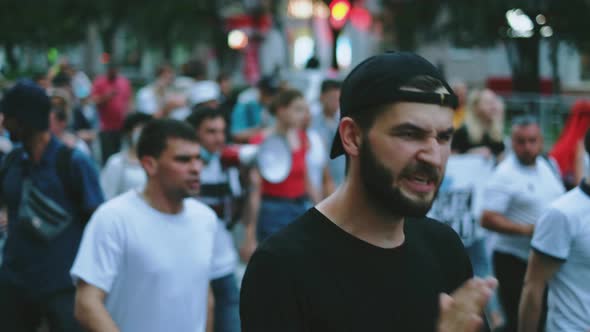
[{"x": 272, "y": 157}]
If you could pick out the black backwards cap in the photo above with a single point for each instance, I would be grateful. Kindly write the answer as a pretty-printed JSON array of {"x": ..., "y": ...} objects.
[
  {"x": 377, "y": 81},
  {"x": 28, "y": 103}
]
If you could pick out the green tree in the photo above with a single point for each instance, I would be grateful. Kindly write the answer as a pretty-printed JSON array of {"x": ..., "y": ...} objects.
[{"x": 483, "y": 23}]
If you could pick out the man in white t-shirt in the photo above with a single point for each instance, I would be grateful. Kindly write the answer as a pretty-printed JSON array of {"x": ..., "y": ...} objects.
[
  {"x": 561, "y": 259},
  {"x": 521, "y": 187},
  {"x": 146, "y": 257}
]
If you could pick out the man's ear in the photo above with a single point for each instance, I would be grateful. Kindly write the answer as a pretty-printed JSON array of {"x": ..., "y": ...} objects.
[
  {"x": 149, "y": 164},
  {"x": 350, "y": 134}
]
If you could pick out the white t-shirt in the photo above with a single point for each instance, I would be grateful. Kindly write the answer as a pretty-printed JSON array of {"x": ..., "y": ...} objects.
[
  {"x": 521, "y": 194},
  {"x": 316, "y": 159},
  {"x": 121, "y": 175},
  {"x": 563, "y": 232},
  {"x": 155, "y": 267}
]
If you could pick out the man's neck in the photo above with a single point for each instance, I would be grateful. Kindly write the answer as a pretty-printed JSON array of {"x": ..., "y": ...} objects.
[
  {"x": 36, "y": 145},
  {"x": 158, "y": 200},
  {"x": 349, "y": 208}
]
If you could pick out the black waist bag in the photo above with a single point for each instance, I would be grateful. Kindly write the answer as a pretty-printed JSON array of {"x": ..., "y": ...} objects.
[{"x": 40, "y": 215}]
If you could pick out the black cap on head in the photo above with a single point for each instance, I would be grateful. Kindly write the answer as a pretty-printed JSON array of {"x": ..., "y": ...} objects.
[
  {"x": 269, "y": 84},
  {"x": 28, "y": 103},
  {"x": 377, "y": 81}
]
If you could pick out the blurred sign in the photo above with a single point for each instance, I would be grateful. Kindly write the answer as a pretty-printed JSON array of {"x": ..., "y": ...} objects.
[{"x": 458, "y": 203}]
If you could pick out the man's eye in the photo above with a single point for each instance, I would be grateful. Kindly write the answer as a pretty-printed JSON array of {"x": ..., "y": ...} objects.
[
  {"x": 445, "y": 137},
  {"x": 409, "y": 134}
]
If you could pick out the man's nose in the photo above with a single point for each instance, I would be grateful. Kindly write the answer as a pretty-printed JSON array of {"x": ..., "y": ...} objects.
[{"x": 431, "y": 152}]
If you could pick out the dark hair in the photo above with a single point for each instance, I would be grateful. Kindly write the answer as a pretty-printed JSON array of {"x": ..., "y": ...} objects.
[
  {"x": 312, "y": 63},
  {"x": 201, "y": 114},
  {"x": 195, "y": 69},
  {"x": 283, "y": 99},
  {"x": 62, "y": 79},
  {"x": 328, "y": 85},
  {"x": 156, "y": 133},
  {"x": 223, "y": 76},
  {"x": 39, "y": 75},
  {"x": 161, "y": 69},
  {"x": 135, "y": 119},
  {"x": 524, "y": 120}
]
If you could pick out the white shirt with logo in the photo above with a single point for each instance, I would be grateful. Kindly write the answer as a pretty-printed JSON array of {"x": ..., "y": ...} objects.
[{"x": 521, "y": 194}]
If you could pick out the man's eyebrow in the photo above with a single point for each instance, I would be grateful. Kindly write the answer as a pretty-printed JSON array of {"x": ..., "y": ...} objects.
[
  {"x": 414, "y": 128},
  {"x": 408, "y": 127}
]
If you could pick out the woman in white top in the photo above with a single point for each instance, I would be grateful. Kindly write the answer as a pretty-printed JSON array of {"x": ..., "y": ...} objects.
[{"x": 123, "y": 171}]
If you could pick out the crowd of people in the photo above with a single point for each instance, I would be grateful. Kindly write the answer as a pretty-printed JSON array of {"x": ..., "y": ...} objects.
[{"x": 127, "y": 210}]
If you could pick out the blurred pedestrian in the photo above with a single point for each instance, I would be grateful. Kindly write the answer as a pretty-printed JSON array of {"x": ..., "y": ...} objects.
[
  {"x": 49, "y": 190},
  {"x": 123, "y": 171},
  {"x": 483, "y": 128},
  {"x": 156, "y": 98},
  {"x": 272, "y": 206},
  {"x": 520, "y": 189},
  {"x": 112, "y": 95},
  {"x": 325, "y": 123},
  {"x": 220, "y": 190},
  {"x": 250, "y": 117}
]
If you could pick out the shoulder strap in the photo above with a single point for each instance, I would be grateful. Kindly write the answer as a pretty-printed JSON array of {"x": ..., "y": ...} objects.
[
  {"x": 8, "y": 160},
  {"x": 552, "y": 166},
  {"x": 63, "y": 166}
]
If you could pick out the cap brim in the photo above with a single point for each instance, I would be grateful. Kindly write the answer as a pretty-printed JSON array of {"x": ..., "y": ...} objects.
[{"x": 337, "y": 148}]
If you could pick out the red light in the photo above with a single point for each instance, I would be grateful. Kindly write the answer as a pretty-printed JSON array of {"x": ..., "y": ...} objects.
[
  {"x": 360, "y": 18},
  {"x": 339, "y": 10}
]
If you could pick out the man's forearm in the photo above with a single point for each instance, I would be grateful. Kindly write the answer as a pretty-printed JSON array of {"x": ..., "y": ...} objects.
[
  {"x": 94, "y": 317},
  {"x": 245, "y": 136},
  {"x": 498, "y": 223},
  {"x": 530, "y": 308}
]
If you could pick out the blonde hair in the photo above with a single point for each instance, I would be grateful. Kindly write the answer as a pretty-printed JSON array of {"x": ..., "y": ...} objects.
[{"x": 476, "y": 127}]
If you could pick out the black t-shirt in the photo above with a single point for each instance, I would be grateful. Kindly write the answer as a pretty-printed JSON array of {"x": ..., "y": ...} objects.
[
  {"x": 314, "y": 276},
  {"x": 461, "y": 142}
]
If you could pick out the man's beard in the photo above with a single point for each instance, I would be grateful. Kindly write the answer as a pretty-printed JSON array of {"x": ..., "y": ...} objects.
[
  {"x": 527, "y": 160},
  {"x": 386, "y": 198}
]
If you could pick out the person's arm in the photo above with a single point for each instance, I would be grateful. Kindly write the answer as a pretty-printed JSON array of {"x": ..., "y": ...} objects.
[
  {"x": 88, "y": 185},
  {"x": 497, "y": 222},
  {"x": 551, "y": 245},
  {"x": 244, "y": 136},
  {"x": 579, "y": 162},
  {"x": 250, "y": 216},
  {"x": 540, "y": 270},
  {"x": 90, "y": 311}
]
